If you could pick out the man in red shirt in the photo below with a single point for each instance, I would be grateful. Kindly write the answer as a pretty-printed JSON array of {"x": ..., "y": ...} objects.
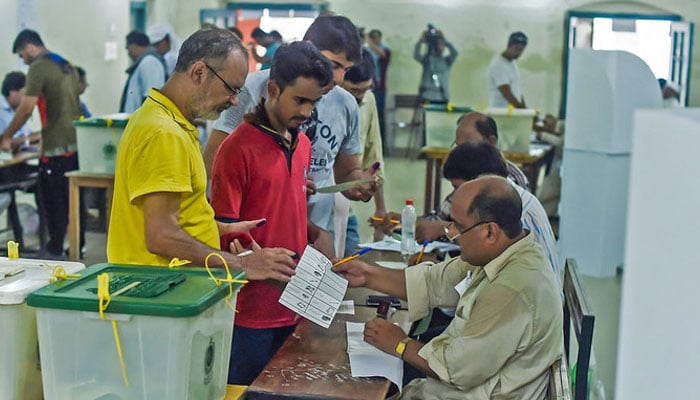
[{"x": 260, "y": 171}]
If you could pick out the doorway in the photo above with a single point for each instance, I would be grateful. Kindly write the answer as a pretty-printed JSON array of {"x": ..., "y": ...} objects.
[
  {"x": 290, "y": 20},
  {"x": 663, "y": 41}
]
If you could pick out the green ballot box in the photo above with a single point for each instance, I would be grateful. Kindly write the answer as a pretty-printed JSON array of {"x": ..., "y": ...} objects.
[
  {"x": 166, "y": 331},
  {"x": 441, "y": 124},
  {"x": 98, "y": 139}
]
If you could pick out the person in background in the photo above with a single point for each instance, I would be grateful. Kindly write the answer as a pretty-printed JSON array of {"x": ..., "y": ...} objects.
[
  {"x": 147, "y": 71},
  {"x": 12, "y": 93},
  {"x": 52, "y": 84},
  {"x": 551, "y": 131},
  {"x": 478, "y": 127},
  {"x": 265, "y": 40},
  {"x": 82, "y": 85},
  {"x": 277, "y": 37},
  {"x": 473, "y": 127},
  {"x": 166, "y": 43},
  {"x": 358, "y": 81},
  {"x": 236, "y": 32},
  {"x": 260, "y": 171},
  {"x": 435, "y": 80},
  {"x": 671, "y": 92},
  {"x": 333, "y": 127},
  {"x": 159, "y": 208},
  {"x": 504, "y": 75},
  {"x": 381, "y": 55},
  {"x": 508, "y": 315}
]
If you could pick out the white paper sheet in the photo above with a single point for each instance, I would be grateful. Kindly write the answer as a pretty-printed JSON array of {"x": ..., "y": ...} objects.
[
  {"x": 391, "y": 244},
  {"x": 392, "y": 264},
  {"x": 367, "y": 360},
  {"x": 315, "y": 292},
  {"x": 347, "y": 307}
]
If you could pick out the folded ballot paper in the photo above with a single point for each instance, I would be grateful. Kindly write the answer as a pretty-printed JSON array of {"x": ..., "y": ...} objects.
[
  {"x": 315, "y": 292},
  {"x": 367, "y": 360}
]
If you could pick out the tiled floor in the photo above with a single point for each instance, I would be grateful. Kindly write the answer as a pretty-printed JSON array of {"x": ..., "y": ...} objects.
[{"x": 405, "y": 179}]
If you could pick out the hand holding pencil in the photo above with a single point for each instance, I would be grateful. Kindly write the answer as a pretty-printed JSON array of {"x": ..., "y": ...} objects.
[
  {"x": 352, "y": 257},
  {"x": 386, "y": 222}
]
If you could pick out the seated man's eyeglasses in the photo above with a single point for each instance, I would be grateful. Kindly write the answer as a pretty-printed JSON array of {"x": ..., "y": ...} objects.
[
  {"x": 452, "y": 237},
  {"x": 232, "y": 91}
]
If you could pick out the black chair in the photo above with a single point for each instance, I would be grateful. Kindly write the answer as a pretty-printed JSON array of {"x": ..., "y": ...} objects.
[
  {"x": 20, "y": 176},
  {"x": 409, "y": 106},
  {"x": 577, "y": 310}
]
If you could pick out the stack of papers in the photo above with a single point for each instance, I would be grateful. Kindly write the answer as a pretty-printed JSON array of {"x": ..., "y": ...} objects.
[
  {"x": 391, "y": 244},
  {"x": 367, "y": 360}
]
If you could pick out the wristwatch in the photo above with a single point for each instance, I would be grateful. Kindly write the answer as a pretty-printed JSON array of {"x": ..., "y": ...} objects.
[{"x": 401, "y": 346}]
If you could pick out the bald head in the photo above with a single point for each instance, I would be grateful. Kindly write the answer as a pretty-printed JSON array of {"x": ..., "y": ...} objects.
[
  {"x": 492, "y": 198},
  {"x": 476, "y": 127}
]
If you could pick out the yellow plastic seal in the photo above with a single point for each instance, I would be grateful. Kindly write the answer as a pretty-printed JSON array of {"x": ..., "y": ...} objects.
[
  {"x": 12, "y": 250},
  {"x": 229, "y": 278},
  {"x": 104, "y": 300}
]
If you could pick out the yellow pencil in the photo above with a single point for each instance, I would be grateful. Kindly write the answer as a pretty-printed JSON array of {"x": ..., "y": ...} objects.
[
  {"x": 422, "y": 250},
  {"x": 352, "y": 257},
  {"x": 393, "y": 221}
]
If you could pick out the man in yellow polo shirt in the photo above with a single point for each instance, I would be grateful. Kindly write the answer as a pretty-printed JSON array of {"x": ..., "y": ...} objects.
[{"x": 160, "y": 210}]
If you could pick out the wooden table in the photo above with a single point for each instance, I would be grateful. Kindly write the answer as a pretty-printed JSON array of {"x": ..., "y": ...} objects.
[
  {"x": 313, "y": 363},
  {"x": 434, "y": 159},
  {"x": 531, "y": 163},
  {"x": 76, "y": 180}
]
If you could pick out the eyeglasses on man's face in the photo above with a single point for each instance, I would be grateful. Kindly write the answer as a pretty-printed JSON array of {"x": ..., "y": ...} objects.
[
  {"x": 232, "y": 90},
  {"x": 452, "y": 237}
]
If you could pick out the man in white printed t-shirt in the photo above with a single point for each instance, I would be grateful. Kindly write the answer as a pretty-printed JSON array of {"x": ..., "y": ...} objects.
[{"x": 504, "y": 75}]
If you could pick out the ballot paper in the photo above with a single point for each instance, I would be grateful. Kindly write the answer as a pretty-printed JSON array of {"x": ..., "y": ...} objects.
[
  {"x": 391, "y": 244},
  {"x": 315, "y": 292},
  {"x": 367, "y": 360},
  {"x": 348, "y": 185}
]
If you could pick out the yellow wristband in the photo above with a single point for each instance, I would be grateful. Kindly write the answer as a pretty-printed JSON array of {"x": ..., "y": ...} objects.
[{"x": 401, "y": 346}]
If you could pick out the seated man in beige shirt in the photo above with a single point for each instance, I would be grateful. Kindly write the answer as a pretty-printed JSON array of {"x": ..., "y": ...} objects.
[{"x": 507, "y": 327}]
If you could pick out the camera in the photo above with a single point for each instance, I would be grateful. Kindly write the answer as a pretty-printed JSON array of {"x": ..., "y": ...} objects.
[{"x": 432, "y": 36}]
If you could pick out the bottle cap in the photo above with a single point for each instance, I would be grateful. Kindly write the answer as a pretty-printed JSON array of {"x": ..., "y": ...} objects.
[{"x": 409, "y": 202}]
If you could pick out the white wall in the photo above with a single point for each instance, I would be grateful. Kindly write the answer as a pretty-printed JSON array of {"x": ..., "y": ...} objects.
[
  {"x": 659, "y": 317},
  {"x": 78, "y": 30},
  {"x": 479, "y": 29}
]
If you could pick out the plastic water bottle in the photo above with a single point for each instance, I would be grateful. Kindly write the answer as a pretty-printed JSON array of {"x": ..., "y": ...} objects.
[{"x": 408, "y": 231}]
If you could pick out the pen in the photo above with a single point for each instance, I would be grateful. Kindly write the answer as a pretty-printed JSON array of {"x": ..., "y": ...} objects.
[
  {"x": 422, "y": 250},
  {"x": 352, "y": 257},
  {"x": 245, "y": 253},
  {"x": 126, "y": 288},
  {"x": 249, "y": 252},
  {"x": 393, "y": 221}
]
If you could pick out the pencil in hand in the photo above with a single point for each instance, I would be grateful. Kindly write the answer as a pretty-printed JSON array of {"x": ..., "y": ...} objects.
[
  {"x": 352, "y": 257},
  {"x": 393, "y": 221},
  {"x": 422, "y": 251}
]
